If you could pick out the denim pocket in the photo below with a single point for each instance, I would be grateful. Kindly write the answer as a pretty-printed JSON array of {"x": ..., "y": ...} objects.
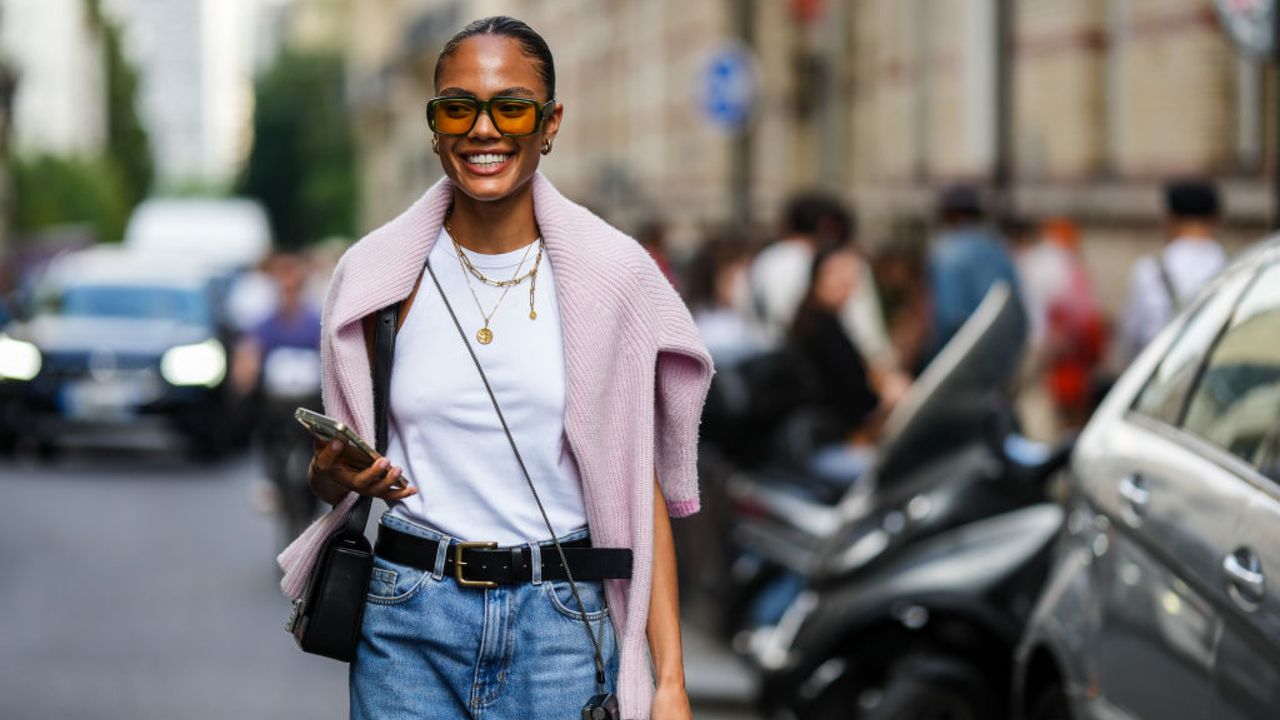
[
  {"x": 591, "y": 592},
  {"x": 391, "y": 583}
]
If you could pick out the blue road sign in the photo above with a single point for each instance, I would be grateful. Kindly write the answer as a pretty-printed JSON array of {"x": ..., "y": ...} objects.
[{"x": 729, "y": 87}]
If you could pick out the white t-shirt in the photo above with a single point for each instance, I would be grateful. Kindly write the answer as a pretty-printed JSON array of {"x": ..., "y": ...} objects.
[
  {"x": 1190, "y": 262},
  {"x": 443, "y": 430}
]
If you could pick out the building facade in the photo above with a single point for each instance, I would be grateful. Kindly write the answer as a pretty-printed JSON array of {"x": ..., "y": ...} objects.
[
  {"x": 196, "y": 61},
  {"x": 1076, "y": 108},
  {"x": 55, "y": 51}
]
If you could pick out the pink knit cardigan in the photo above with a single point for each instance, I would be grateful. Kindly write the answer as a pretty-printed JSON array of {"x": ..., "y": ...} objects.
[{"x": 636, "y": 378}]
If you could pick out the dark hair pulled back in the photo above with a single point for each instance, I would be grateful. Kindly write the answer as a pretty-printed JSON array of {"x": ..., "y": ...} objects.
[{"x": 530, "y": 42}]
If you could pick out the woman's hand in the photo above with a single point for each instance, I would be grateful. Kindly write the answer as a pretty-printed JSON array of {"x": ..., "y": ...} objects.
[
  {"x": 670, "y": 702},
  {"x": 331, "y": 477}
]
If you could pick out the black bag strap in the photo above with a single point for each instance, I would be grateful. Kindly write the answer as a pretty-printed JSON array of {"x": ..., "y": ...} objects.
[{"x": 384, "y": 345}]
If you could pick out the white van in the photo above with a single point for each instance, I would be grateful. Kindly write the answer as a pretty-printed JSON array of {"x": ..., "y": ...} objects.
[{"x": 227, "y": 233}]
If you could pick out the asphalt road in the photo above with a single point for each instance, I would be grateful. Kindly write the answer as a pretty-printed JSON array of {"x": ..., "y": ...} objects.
[{"x": 139, "y": 585}]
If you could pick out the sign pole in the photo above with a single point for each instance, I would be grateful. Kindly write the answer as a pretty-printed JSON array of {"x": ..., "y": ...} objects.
[
  {"x": 1275, "y": 83},
  {"x": 1254, "y": 27}
]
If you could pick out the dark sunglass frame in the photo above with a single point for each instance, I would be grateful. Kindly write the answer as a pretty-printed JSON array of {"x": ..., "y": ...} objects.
[{"x": 483, "y": 106}]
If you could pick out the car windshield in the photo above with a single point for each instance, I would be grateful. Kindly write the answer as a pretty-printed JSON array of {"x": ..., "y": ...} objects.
[{"x": 137, "y": 302}]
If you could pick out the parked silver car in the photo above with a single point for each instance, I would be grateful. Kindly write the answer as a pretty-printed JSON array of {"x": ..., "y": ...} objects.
[{"x": 1158, "y": 605}]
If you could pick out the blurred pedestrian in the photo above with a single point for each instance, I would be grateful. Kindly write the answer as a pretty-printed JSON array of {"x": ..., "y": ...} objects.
[
  {"x": 291, "y": 323},
  {"x": 1161, "y": 283},
  {"x": 850, "y": 406},
  {"x": 1076, "y": 340},
  {"x": 718, "y": 296},
  {"x": 966, "y": 258},
  {"x": 779, "y": 276},
  {"x": 901, "y": 279},
  {"x": 252, "y": 296},
  {"x": 598, "y": 369},
  {"x": 652, "y": 236},
  {"x": 1066, "y": 323},
  {"x": 277, "y": 366}
]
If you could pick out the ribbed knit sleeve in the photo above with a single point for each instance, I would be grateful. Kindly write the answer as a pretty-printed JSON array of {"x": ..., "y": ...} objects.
[{"x": 684, "y": 371}]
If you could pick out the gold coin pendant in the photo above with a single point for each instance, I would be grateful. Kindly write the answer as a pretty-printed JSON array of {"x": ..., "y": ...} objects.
[
  {"x": 485, "y": 336},
  {"x": 533, "y": 314}
]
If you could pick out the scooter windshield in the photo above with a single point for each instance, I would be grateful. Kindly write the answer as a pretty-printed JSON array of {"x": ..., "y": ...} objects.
[{"x": 957, "y": 399}]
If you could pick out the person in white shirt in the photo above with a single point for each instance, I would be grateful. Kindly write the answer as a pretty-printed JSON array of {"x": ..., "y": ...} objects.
[
  {"x": 717, "y": 293},
  {"x": 1161, "y": 284}
]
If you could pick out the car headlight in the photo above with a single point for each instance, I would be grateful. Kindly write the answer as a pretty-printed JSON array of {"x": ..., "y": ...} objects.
[
  {"x": 18, "y": 360},
  {"x": 204, "y": 364}
]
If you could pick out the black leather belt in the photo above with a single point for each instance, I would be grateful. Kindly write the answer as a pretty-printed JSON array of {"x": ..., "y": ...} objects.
[{"x": 484, "y": 564}]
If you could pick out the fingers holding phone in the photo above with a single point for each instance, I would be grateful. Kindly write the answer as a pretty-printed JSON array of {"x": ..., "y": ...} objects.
[
  {"x": 343, "y": 461},
  {"x": 333, "y": 465}
]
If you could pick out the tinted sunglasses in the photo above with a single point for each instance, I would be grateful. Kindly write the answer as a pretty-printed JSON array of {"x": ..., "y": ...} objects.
[{"x": 511, "y": 116}]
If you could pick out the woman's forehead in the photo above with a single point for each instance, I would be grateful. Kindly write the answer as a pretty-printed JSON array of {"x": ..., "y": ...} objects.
[{"x": 490, "y": 64}]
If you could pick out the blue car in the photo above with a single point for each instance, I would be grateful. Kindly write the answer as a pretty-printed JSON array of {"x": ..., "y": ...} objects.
[{"x": 116, "y": 343}]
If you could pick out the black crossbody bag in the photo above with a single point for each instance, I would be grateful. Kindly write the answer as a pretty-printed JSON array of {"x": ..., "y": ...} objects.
[{"x": 326, "y": 619}]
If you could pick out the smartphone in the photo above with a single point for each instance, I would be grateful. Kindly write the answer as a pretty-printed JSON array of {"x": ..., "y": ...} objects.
[{"x": 357, "y": 453}]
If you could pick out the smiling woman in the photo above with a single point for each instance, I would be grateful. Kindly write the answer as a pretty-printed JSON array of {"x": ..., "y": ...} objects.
[{"x": 486, "y": 597}]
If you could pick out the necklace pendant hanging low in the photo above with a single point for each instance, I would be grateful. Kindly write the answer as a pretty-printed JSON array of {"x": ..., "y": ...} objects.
[{"x": 484, "y": 336}]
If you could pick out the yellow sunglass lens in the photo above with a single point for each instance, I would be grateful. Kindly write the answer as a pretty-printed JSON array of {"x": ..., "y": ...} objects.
[
  {"x": 456, "y": 117},
  {"x": 515, "y": 118}
]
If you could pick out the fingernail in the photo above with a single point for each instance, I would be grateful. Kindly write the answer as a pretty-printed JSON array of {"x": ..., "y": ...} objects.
[
  {"x": 383, "y": 463},
  {"x": 336, "y": 444}
]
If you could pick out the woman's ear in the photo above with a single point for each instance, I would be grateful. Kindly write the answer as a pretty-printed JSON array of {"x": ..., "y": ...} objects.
[{"x": 552, "y": 124}]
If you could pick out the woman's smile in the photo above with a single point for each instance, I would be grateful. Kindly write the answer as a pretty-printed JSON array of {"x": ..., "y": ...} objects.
[{"x": 488, "y": 163}]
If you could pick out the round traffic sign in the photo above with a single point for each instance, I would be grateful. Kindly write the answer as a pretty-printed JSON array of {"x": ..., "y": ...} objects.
[
  {"x": 1250, "y": 24},
  {"x": 729, "y": 87}
]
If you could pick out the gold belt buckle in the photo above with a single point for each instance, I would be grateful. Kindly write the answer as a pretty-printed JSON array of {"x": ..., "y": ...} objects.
[{"x": 458, "y": 563}]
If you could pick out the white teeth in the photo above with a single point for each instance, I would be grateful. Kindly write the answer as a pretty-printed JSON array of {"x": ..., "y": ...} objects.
[{"x": 486, "y": 159}]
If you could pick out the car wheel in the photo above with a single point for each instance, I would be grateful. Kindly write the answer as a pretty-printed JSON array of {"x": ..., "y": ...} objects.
[
  {"x": 1050, "y": 704},
  {"x": 922, "y": 687}
]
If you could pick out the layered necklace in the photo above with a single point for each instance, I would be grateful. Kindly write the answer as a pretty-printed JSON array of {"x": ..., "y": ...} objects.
[{"x": 485, "y": 335}]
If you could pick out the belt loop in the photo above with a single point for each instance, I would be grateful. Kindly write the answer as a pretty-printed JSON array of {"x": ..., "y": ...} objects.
[
  {"x": 535, "y": 563},
  {"x": 442, "y": 555}
]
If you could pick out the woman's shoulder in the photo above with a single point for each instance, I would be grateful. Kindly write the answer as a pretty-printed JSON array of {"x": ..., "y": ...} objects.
[{"x": 384, "y": 264}]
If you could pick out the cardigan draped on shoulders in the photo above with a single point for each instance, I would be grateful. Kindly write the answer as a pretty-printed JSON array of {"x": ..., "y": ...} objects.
[{"x": 637, "y": 375}]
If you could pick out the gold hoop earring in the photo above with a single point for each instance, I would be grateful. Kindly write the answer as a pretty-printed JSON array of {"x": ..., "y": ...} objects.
[{"x": 546, "y": 148}]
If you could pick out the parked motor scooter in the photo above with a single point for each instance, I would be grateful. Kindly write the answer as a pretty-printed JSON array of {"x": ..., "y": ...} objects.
[
  {"x": 949, "y": 455},
  {"x": 917, "y": 582},
  {"x": 290, "y": 379}
]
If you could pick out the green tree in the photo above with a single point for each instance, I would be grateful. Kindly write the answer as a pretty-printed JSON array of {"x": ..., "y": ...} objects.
[
  {"x": 301, "y": 166},
  {"x": 53, "y": 191},
  {"x": 98, "y": 191}
]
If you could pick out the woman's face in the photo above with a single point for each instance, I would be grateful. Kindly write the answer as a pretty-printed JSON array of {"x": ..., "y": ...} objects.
[
  {"x": 836, "y": 280},
  {"x": 484, "y": 164}
]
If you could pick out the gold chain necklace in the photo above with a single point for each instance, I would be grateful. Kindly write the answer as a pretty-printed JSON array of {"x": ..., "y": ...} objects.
[
  {"x": 476, "y": 273},
  {"x": 484, "y": 335}
]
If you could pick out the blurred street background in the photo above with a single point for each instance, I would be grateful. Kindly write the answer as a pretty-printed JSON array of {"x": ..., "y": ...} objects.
[{"x": 179, "y": 177}]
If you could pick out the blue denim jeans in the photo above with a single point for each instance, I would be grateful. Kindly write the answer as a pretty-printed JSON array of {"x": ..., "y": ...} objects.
[{"x": 432, "y": 649}]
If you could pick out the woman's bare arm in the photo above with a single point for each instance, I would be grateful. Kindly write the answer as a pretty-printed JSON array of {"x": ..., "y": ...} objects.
[{"x": 670, "y": 702}]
